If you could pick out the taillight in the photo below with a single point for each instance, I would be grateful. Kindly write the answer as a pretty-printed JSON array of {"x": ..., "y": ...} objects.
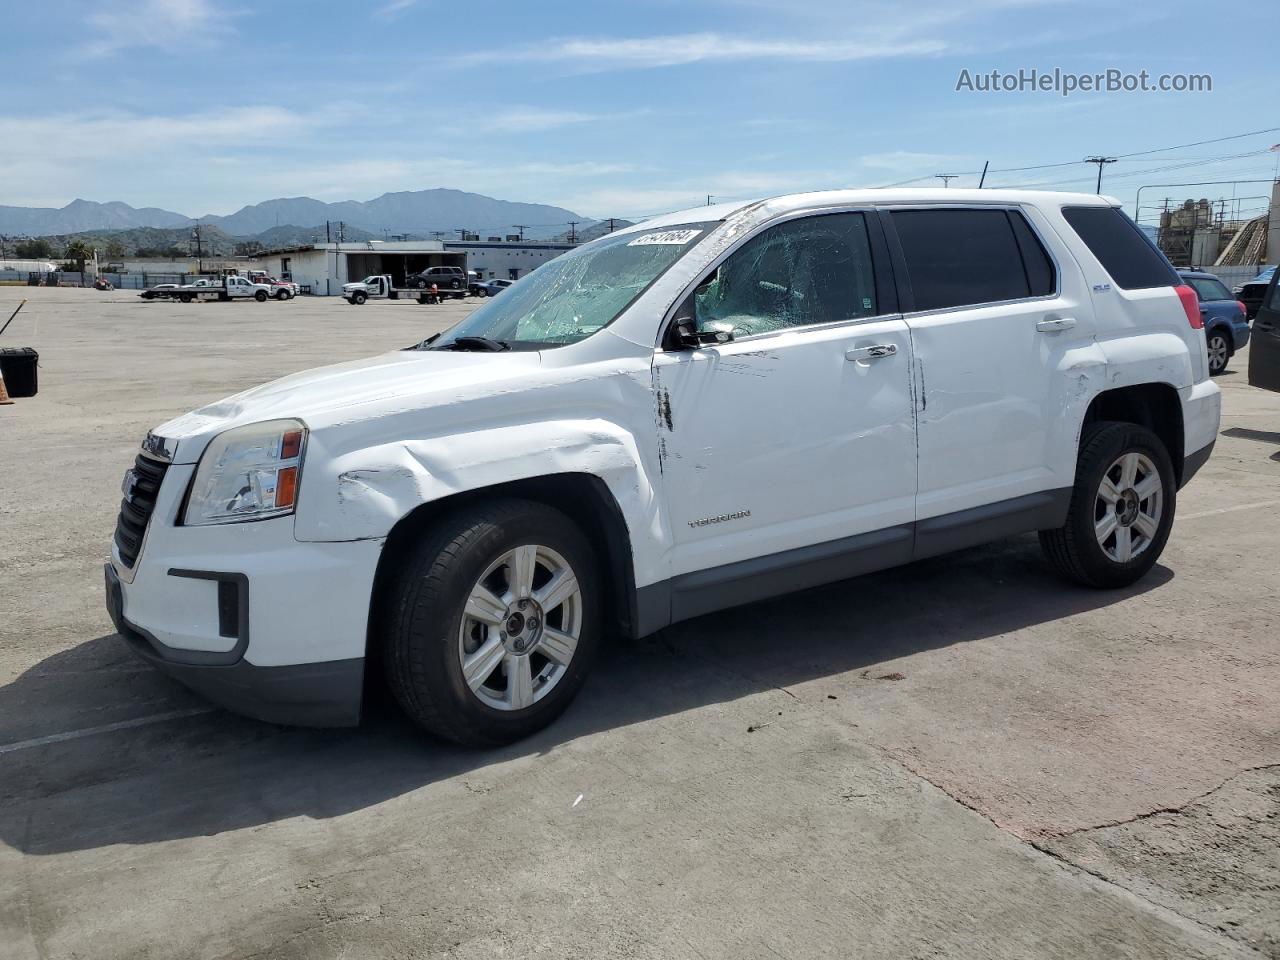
[
  {"x": 1191, "y": 304},
  {"x": 1244, "y": 311}
]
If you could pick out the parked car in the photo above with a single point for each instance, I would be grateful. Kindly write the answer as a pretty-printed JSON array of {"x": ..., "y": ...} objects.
[
  {"x": 707, "y": 409},
  {"x": 161, "y": 290},
  {"x": 491, "y": 288},
  {"x": 445, "y": 278},
  {"x": 1264, "y": 355},
  {"x": 1226, "y": 328},
  {"x": 1252, "y": 291}
]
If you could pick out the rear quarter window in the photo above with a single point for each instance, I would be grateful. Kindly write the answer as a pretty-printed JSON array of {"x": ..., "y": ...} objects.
[{"x": 1124, "y": 252}]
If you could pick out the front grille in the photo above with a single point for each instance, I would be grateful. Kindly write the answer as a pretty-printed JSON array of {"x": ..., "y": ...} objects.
[{"x": 136, "y": 510}]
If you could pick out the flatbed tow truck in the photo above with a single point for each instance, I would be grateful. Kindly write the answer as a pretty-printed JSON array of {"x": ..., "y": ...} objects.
[
  {"x": 231, "y": 288},
  {"x": 379, "y": 287}
]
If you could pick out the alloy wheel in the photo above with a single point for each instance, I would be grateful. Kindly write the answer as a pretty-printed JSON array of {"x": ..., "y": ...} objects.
[
  {"x": 1128, "y": 507},
  {"x": 520, "y": 627},
  {"x": 1218, "y": 352}
]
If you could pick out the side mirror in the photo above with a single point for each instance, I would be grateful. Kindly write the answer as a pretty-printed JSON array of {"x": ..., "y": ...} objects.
[
  {"x": 689, "y": 337},
  {"x": 684, "y": 332}
]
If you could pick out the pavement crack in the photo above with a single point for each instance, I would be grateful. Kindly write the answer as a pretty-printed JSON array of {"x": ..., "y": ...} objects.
[
  {"x": 1163, "y": 910},
  {"x": 1161, "y": 811}
]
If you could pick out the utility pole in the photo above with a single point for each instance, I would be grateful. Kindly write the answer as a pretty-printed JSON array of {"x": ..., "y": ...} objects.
[
  {"x": 709, "y": 199},
  {"x": 1101, "y": 162},
  {"x": 199, "y": 250},
  {"x": 521, "y": 228},
  {"x": 462, "y": 234},
  {"x": 612, "y": 220},
  {"x": 946, "y": 178},
  {"x": 573, "y": 230},
  {"x": 983, "y": 178},
  {"x": 328, "y": 233},
  {"x": 437, "y": 234}
]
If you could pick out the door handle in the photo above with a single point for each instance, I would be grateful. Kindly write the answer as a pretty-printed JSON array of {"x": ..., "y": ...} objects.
[
  {"x": 873, "y": 352},
  {"x": 1054, "y": 324}
]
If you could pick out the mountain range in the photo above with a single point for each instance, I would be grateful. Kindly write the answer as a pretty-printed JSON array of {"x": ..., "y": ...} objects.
[{"x": 418, "y": 212}]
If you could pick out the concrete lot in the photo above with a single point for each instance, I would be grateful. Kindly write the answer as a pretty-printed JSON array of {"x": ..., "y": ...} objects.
[{"x": 981, "y": 761}]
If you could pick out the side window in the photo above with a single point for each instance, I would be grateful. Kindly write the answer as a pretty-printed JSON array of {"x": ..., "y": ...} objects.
[
  {"x": 812, "y": 270},
  {"x": 1273, "y": 294},
  {"x": 960, "y": 257},
  {"x": 1124, "y": 252},
  {"x": 1041, "y": 276},
  {"x": 1209, "y": 289}
]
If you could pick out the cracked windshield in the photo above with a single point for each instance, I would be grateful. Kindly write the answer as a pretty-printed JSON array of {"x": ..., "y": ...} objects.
[{"x": 571, "y": 297}]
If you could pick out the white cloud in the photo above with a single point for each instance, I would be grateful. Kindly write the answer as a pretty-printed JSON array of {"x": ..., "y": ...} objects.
[
  {"x": 609, "y": 53},
  {"x": 534, "y": 119},
  {"x": 395, "y": 8},
  {"x": 118, "y": 25}
]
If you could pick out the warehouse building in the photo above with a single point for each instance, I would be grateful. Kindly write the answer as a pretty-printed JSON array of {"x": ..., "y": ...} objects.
[{"x": 322, "y": 268}]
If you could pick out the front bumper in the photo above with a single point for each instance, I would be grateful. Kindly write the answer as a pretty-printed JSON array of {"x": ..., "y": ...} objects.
[
  {"x": 306, "y": 694},
  {"x": 247, "y": 615}
]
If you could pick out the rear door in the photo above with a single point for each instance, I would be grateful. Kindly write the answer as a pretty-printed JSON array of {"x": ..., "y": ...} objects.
[
  {"x": 992, "y": 314},
  {"x": 1264, "y": 347}
]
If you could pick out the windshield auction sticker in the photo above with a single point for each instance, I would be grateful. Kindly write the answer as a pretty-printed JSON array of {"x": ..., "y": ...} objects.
[{"x": 677, "y": 237}]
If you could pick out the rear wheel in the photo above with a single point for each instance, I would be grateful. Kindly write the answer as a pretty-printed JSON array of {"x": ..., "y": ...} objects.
[
  {"x": 481, "y": 292},
  {"x": 185, "y": 297},
  {"x": 1121, "y": 509},
  {"x": 493, "y": 622},
  {"x": 260, "y": 296},
  {"x": 1219, "y": 352}
]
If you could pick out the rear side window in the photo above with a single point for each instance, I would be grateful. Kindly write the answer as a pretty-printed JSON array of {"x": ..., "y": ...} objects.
[
  {"x": 961, "y": 257},
  {"x": 1133, "y": 262},
  {"x": 1209, "y": 289}
]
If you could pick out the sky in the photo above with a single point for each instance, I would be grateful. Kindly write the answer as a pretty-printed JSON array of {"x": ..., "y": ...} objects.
[{"x": 619, "y": 109}]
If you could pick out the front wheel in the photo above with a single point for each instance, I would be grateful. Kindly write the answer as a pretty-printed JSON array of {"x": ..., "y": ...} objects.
[
  {"x": 492, "y": 622},
  {"x": 1121, "y": 511},
  {"x": 282, "y": 294},
  {"x": 1219, "y": 352},
  {"x": 359, "y": 297}
]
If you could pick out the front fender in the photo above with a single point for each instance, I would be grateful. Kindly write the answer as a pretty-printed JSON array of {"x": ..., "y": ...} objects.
[{"x": 362, "y": 494}]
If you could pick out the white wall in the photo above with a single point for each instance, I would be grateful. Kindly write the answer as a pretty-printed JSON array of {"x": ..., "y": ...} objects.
[{"x": 497, "y": 260}]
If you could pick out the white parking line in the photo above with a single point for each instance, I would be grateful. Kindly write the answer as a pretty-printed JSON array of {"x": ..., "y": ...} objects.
[
  {"x": 1238, "y": 506},
  {"x": 105, "y": 728}
]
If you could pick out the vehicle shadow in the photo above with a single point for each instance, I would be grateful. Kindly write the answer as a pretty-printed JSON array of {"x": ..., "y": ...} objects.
[{"x": 212, "y": 772}]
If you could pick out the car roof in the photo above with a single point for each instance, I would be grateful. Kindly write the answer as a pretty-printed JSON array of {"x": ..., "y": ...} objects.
[
  {"x": 773, "y": 206},
  {"x": 1198, "y": 275}
]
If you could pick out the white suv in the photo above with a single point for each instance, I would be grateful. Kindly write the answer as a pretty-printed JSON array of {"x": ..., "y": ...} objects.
[{"x": 706, "y": 409}]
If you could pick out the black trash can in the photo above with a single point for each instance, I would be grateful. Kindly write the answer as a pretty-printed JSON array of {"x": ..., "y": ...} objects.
[{"x": 18, "y": 364}]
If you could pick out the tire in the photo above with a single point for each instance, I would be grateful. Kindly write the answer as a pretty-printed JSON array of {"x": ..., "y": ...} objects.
[
  {"x": 260, "y": 296},
  {"x": 482, "y": 293},
  {"x": 185, "y": 297},
  {"x": 282, "y": 294},
  {"x": 1078, "y": 549},
  {"x": 428, "y": 628},
  {"x": 1219, "y": 348},
  {"x": 359, "y": 297},
  {"x": 148, "y": 295},
  {"x": 455, "y": 284},
  {"x": 420, "y": 284}
]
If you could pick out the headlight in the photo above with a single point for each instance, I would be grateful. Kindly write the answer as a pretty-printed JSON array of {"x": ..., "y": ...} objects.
[{"x": 249, "y": 473}]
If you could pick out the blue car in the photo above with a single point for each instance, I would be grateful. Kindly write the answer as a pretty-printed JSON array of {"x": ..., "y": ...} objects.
[{"x": 1226, "y": 328}]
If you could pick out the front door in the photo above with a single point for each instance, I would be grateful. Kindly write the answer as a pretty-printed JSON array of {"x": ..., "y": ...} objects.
[
  {"x": 783, "y": 445},
  {"x": 1264, "y": 346}
]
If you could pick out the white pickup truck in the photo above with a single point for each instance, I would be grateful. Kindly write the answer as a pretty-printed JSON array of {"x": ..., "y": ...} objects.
[
  {"x": 703, "y": 410},
  {"x": 380, "y": 287},
  {"x": 231, "y": 288}
]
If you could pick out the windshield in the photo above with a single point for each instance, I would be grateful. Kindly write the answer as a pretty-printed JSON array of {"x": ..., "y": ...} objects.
[{"x": 578, "y": 293}]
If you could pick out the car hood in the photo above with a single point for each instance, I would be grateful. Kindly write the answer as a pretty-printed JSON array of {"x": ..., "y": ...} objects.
[{"x": 351, "y": 391}]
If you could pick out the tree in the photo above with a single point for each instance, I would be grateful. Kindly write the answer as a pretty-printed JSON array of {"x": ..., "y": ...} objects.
[
  {"x": 248, "y": 248},
  {"x": 35, "y": 249},
  {"x": 116, "y": 249},
  {"x": 77, "y": 252}
]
